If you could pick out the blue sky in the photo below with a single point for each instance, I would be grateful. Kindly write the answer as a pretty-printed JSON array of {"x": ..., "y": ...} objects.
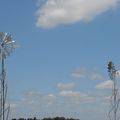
[{"x": 61, "y": 67}]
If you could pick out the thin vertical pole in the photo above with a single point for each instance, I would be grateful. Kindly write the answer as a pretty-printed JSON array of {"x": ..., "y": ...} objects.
[
  {"x": 114, "y": 92},
  {"x": 3, "y": 89},
  {"x": 1, "y": 95}
]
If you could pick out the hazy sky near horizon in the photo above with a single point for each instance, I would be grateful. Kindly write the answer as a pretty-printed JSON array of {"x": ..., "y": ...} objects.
[{"x": 60, "y": 68}]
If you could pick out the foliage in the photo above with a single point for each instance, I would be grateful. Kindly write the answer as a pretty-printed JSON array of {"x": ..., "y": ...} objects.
[{"x": 48, "y": 118}]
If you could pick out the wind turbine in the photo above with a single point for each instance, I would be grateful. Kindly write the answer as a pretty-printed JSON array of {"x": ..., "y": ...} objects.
[
  {"x": 7, "y": 45},
  {"x": 114, "y": 98}
]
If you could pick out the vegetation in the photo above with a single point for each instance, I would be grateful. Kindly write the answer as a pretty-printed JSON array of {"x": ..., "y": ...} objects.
[{"x": 48, "y": 118}]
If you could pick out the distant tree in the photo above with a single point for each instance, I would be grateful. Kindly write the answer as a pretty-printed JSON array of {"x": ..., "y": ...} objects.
[
  {"x": 21, "y": 119},
  {"x": 14, "y": 119},
  {"x": 30, "y": 119},
  {"x": 47, "y": 118},
  {"x": 59, "y": 118},
  {"x": 34, "y": 118}
]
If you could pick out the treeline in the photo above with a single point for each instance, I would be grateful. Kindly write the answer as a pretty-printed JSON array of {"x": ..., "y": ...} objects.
[
  {"x": 59, "y": 118},
  {"x": 25, "y": 119},
  {"x": 47, "y": 118}
]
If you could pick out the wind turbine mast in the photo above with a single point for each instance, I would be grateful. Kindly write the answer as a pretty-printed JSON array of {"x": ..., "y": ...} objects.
[
  {"x": 114, "y": 98},
  {"x": 6, "y": 47}
]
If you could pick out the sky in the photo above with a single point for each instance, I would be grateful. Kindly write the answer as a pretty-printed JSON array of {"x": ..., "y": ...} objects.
[{"x": 60, "y": 68}]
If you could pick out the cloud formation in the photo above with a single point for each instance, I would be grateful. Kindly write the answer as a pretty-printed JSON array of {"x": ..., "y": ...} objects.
[
  {"x": 76, "y": 96},
  {"x": 56, "y": 12},
  {"x": 67, "y": 86},
  {"x": 86, "y": 74},
  {"x": 96, "y": 76},
  {"x": 67, "y": 101},
  {"x": 79, "y": 73},
  {"x": 105, "y": 85}
]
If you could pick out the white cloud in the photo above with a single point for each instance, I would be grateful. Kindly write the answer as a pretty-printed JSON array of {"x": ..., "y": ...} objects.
[
  {"x": 55, "y": 12},
  {"x": 96, "y": 76},
  {"x": 76, "y": 96},
  {"x": 79, "y": 73},
  {"x": 86, "y": 74},
  {"x": 36, "y": 97},
  {"x": 67, "y": 86},
  {"x": 67, "y": 103},
  {"x": 35, "y": 102},
  {"x": 105, "y": 85},
  {"x": 71, "y": 94}
]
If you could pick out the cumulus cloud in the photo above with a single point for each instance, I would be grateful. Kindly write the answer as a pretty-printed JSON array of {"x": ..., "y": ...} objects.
[
  {"x": 33, "y": 103},
  {"x": 33, "y": 97},
  {"x": 67, "y": 86},
  {"x": 55, "y": 12},
  {"x": 86, "y": 74},
  {"x": 105, "y": 85},
  {"x": 71, "y": 94},
  {"x": 79, "y": 73},
  {"x": 96, "y": 76},
  {"x": 76, "y": 96}
]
